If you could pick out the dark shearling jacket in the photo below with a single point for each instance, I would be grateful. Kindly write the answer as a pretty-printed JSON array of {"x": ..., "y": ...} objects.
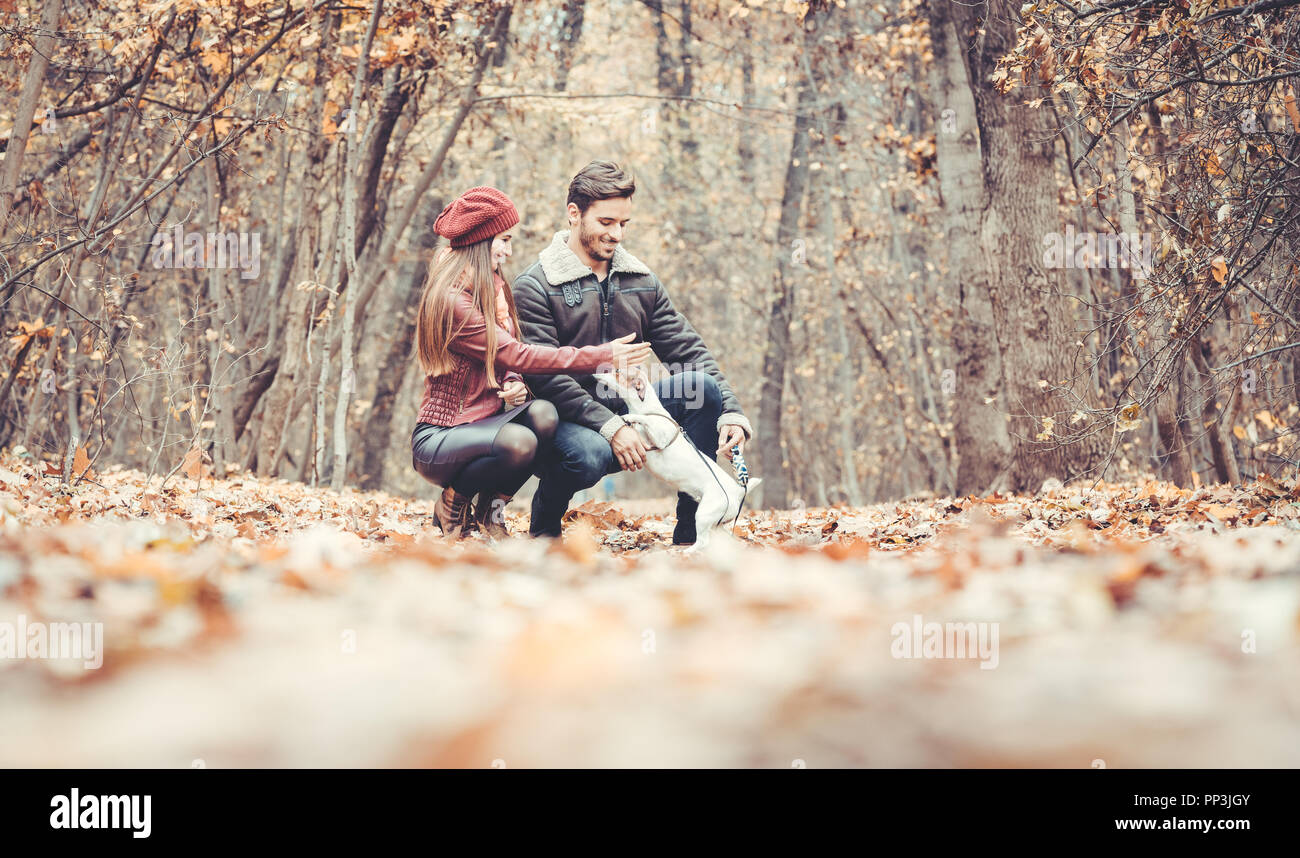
[{"x": 560, "y": 302}]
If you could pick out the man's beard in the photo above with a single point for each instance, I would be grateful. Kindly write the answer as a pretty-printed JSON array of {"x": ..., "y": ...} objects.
[{"x": 590, "y": 242}]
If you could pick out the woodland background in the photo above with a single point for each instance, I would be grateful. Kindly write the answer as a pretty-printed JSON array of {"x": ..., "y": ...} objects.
[{"x": 850, "y": 201}]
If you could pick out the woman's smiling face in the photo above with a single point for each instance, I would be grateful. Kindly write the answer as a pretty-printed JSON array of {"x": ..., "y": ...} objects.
[{"x": 500, "y": 249}]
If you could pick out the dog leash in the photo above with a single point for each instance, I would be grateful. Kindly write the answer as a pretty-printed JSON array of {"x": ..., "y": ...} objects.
[
  {"x": 742, "y": 477},
  {"x": 737, "y": 462}
]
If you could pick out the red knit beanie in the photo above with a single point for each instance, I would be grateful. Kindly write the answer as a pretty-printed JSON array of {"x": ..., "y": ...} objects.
[{"x": 477, "y": 214}]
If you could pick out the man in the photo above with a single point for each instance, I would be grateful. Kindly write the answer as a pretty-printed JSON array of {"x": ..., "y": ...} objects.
[{"x": 586, "y": 289}]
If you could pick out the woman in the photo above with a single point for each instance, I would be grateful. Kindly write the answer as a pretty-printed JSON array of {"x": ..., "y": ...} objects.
[{"x": 464, "y": 440}]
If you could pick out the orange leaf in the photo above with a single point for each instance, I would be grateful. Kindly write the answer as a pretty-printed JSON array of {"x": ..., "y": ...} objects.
[
  {"x": 579, "y": 544},
  {"x": 1223, "y": 512},
  {"x": 328, "y": 126},
  {"x": 1219, "y": 268},
  {"x": 216, "y": 61},
  {"x": 193, "y": 465},
  {"x": 81, "y": 463},
  {"x": 291, "y": 578},
  {"x": 847, "y": 549},
  {"x": 1292, "y": 110}
]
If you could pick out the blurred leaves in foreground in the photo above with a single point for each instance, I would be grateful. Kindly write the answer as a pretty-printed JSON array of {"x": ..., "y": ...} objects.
[{"x": 255, "y": 622}]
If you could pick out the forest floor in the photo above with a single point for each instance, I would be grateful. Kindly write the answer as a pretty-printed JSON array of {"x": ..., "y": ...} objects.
[{"x": 258, "y": 622}]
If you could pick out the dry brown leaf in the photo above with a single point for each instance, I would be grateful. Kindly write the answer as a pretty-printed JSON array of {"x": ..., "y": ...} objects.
[
  {"x": 579, "y": 544},
  {"x": 81, "y": 464},
  {"x": 193, "y": 465},
  {"x": 1223, "y": 512}
]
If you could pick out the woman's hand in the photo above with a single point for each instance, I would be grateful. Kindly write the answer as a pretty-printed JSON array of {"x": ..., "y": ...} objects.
[
  {"x": 628, "y": 353},
  {"x": 514, "y": 392}
]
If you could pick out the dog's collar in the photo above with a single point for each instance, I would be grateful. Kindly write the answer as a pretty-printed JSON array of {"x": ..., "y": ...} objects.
[{"x": 677, "y": 430}]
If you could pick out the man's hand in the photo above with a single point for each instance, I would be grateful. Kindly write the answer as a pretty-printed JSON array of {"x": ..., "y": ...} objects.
[
  {"x": 730, "y": 435},
  {"x": 628, "y": 449}
]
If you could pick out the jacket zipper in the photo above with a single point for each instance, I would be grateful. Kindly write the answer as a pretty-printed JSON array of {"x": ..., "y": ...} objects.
[
  {"x": 460, "y": 408},
  {"x": 604, "y": 309}
]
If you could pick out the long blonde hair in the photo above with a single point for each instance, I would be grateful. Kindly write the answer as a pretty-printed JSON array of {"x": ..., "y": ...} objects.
[{"x": 452, "y": 270}]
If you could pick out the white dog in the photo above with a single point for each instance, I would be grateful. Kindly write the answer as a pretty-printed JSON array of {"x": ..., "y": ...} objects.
[{"x": 672, "y": 457}]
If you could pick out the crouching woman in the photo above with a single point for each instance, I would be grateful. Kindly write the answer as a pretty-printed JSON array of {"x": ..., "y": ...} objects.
[{"x": 479, "y": 429}]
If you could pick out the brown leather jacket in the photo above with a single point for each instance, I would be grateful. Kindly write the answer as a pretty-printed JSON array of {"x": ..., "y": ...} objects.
[{"x": 463, "y": 396}]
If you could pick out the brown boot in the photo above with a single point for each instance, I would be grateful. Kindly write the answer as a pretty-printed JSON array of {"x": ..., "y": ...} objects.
[
  {"x": 452, "y": 513},
  {"x": 489, "y": 514}
]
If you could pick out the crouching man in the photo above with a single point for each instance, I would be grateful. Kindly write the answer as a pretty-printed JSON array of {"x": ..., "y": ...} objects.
[{"x": 584, "y": 289}]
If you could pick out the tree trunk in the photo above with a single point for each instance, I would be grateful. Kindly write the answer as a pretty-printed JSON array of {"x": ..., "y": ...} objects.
[
  {"x": 394, "y": 366},
  {"x": 776, "y": 480},
  {"x": 395, "y": 97},
  {"x": 380, "y": 261},
  {"x": 219, "y": 393},
  {"x": 983, "y": 445},
  {"x": 1032, "y": 313},
  {"x": 1159, "y": 359},
  {"x": 42, "y": 47},
  {"x": 845, "y": 418},
  {"x": 570, "y": 35},
  {"x": 348, "y": 247},
  {"x": 294, "y": 373}
]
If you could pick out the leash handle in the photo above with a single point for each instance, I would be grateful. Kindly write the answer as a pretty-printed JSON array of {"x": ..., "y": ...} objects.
[
  {"x": 738, "y": 462},
  {"x": 742, "y": 477}
]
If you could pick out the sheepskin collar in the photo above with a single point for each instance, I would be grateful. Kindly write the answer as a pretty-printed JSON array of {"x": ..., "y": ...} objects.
[{"x": 561, "y": 265}]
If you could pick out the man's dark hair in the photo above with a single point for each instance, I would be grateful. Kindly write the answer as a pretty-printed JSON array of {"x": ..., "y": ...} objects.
[{"x": 600, "y": 180}]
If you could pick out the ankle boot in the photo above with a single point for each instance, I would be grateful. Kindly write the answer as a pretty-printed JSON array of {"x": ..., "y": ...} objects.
[
  {"x": 490, "y": 515},
  {"x": 452, "y": 513}
]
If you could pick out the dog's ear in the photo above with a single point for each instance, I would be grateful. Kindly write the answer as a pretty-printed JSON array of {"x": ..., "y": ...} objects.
[{"x": 754, "y": 482}]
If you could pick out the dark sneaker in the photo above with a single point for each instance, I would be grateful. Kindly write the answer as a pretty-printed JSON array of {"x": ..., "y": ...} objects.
[
  {"x": 684, "y": 531},
  {"x": 538, "y": 525}
]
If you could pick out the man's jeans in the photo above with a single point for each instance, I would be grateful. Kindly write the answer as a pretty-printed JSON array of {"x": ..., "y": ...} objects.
[{"x": 580, "y": 457}]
